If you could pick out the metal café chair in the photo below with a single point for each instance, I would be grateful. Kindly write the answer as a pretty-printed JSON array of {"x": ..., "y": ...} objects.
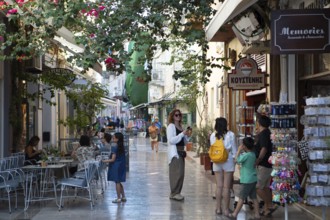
[
  {"x": 8, "y": 183},
  {"x": 90, "y": 170},
  {"x": 103, "y": 169}
]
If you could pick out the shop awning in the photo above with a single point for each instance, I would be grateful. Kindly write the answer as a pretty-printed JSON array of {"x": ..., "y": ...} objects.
[
  {"x": 256, "y": 92},
  {"x": 166, "y": 97},
  {"x": 108, "y": 102},
  {"x": 143, "y": 105},
  {"x": 218, "y": 30}
]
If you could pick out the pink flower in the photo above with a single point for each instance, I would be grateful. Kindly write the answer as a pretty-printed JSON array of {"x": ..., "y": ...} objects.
[
  {"x": 101, "y": 8},
  {"x": 12, "y": 11},
  {"x": 3, "y": 5},
  {"x": 1, "y": 38},
  {"x": 93, "y": 12},
  {"x": 92, "y": 35},
  {"x": 20, "y": 2},
  {"x": 110, "y": 61}
]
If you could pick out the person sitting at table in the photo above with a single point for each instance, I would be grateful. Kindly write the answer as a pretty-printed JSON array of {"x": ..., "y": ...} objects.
[
  {"x": 31, "y": 154},
  {"x": 106, "y": 141},
  {"x": 85, "y": 151}
]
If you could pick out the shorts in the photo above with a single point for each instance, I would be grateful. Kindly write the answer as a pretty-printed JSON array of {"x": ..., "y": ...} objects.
[
  {"x": 154, "y": 139},
  {"x": 263, "y": 174},
  {"x": 228, "y": 166},
  {"x": 248, "y": 190}
]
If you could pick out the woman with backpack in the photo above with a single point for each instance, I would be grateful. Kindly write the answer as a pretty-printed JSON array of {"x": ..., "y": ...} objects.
[{"x": 224, "y": 171}]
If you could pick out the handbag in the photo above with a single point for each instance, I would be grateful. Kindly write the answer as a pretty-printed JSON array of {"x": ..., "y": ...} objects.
[{"x": 182, "y": 153}]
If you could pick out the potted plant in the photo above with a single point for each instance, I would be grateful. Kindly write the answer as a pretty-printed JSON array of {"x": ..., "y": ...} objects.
[
  {"x": 203, "y": 142},
  {"x": 55, "y": 153},
  {"x": 163, "y": 134},
  {"x": 44, "y": 159}
]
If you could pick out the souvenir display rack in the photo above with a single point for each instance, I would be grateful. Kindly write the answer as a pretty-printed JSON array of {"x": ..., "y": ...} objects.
[
  {"x": 317, "y": 132},
  {"x": 245, "y": 121},
  {"x": 285, "y": 185}
]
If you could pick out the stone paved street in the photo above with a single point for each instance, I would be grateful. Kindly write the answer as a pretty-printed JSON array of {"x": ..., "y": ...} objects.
[{"x": 147, "y": 193}]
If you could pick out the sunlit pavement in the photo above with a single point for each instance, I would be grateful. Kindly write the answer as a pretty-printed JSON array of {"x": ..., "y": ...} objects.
[{"x": 147, "y": 192}]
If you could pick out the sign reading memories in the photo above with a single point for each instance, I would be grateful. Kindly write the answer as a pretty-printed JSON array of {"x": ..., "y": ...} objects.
[
  {"x": 300, "y": 31},
  {"x": 246, "y": 76}
]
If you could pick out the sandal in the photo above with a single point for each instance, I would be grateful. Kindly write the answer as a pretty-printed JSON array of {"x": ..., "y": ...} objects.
[
  {"x": 231, "y": 216},
  {"x": 218, "y": 212},
  {"x": 116, "y": 201},
  {"x": 123, "y": 199},
  {"x": 270, "y": 211}
]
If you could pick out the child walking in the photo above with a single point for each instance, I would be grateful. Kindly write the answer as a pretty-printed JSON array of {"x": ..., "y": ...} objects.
[
  {"x": 117, "y": 166},
  {"x": 248, "y": 177}
]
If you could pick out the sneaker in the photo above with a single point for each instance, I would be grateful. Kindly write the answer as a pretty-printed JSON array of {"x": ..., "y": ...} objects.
[
  {"x": 116, "y": 201},
  {"x": 178, "y": 197},
  {"x": 123, "y": 199}
]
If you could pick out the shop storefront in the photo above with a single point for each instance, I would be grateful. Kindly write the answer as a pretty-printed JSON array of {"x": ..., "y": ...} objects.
[{"x": 297, "y": 65}]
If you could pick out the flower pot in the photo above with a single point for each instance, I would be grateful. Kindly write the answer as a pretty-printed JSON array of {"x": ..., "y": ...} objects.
[
  {"x": 43, "y": 163},
  {"x": 202, "y": 158},
  {"x": 207, "y": 162},
  {"x": 189, "y": 146}
]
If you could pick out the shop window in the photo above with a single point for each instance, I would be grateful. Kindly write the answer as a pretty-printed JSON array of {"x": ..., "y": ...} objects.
[
  {"x": 324, "y": 62},
  {"x": 310, "y": 64}
]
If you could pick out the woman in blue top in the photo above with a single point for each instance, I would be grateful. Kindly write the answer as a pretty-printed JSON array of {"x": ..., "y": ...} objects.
[
  {"x": 248, "y": 177},
  {"x": 117, "y": 166}
]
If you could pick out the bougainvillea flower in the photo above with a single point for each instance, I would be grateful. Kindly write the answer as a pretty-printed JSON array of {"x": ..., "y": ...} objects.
[
  {"x": 20, "y": 2},
  {"x": 12, "y": 11},
  {"x": 110, "y": 61},
  {"x": 3, "y": 5},
  {"x": 93, "y": 12},
  {"x": 92, "y": 35},
  {"x": 101, "y": 8}
]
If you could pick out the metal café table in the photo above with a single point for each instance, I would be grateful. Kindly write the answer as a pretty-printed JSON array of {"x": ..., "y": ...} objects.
[
  {"x": 40, "y": 184},
  {"x": 67, "y": 162}
]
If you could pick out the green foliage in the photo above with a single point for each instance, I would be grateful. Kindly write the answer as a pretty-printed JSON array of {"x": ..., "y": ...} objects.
[
  {"x": 202, "y": 137},
  {"x": 87, "y": 104},
  {"x": 103, "y": 27}
]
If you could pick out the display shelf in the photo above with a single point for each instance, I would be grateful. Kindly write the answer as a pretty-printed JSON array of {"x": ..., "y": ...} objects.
[
  {"x": 316, "y": 121},
  {"x": 284, "y": 159},
  {"x": 245, "y": 121}
]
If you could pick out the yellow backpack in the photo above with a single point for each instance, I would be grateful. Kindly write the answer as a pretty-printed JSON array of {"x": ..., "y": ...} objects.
[{"x": 218, "y": 152}]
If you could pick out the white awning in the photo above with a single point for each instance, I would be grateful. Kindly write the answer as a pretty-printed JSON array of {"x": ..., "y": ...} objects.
[
  {"x": 256, "y": 92},
  {"x": 139, "y": 106},
  {"x": 227, "y": 11},
  {"x": 108, "y": 102}
]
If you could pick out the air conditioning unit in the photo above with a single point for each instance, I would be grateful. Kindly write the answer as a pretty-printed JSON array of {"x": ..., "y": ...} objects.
[
  {"x": 248, "y": 29},
  {"x": 34, "y": 65}
]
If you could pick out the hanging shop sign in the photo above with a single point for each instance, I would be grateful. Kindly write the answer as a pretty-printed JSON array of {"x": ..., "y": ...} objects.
[
  {"x": 246, "y": 75},
  {"x": 300, "y": 31}
]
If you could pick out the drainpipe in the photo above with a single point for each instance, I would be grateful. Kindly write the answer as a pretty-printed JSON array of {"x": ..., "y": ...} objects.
[
  {"x": 284, "y": 79},
  {"x": 284, "y": 4}
]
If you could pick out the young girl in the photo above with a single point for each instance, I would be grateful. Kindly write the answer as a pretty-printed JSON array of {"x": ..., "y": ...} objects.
[{"x": 117, "y": 166}]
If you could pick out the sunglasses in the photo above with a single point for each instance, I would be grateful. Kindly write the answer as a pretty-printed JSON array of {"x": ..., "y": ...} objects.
[{"x": 177, "y": 115}]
